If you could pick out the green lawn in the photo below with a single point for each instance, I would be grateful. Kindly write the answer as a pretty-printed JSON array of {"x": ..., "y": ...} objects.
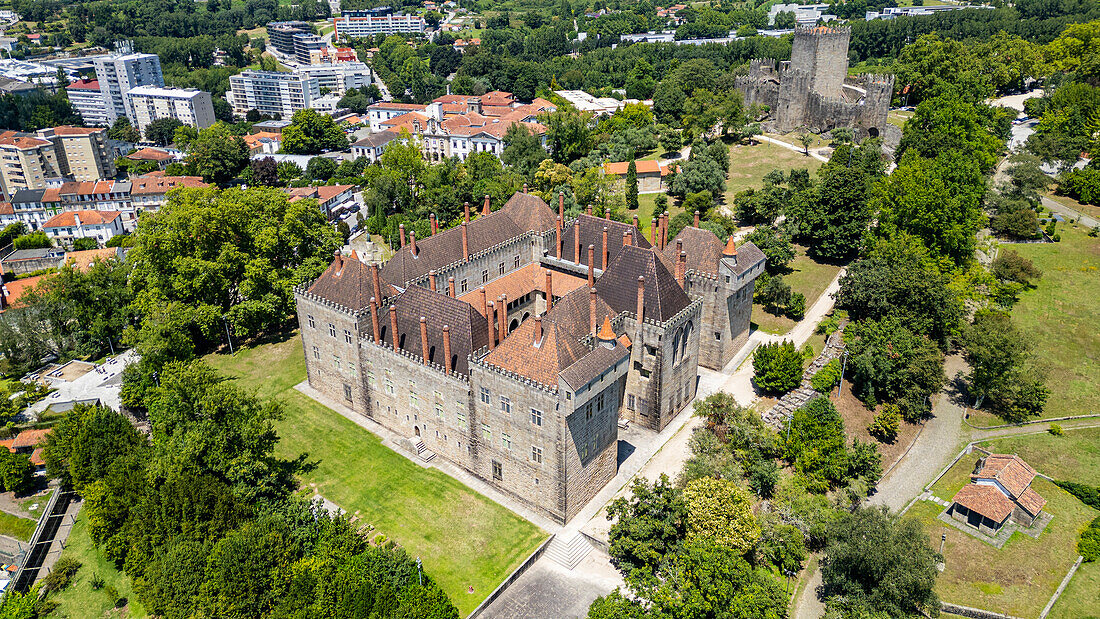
[
  {"x": 1081, "y": 597},
  {"x": 19, "y": 528},
  {"x": 1074, "y": 456},
  {"x": 79, "y": 599},
  {"x": 1061, "y": 315},
  {"x": 463, "y": 538},
  {"x": 1021, "y": 577},
  {"x": 749, "y": 164},
  {"x": 646, "y": 204},
  {"x": 806, "y": 276}
]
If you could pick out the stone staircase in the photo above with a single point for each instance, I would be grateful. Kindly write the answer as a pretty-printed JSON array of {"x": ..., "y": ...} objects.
[
  {"x": 796, "y": 399},
  {"x": 568, "y": 548},
  {"x": 422, "y": 450}
]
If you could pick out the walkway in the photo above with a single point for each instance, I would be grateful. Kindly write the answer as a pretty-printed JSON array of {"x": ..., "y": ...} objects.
[
  {"x": 797, "y": 149},
  {"x": 1069, "y": 213}
]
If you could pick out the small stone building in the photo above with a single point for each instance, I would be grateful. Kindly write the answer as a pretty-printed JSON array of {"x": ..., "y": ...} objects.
[
  {"x": 1000, "y": 490},
  {"x": 650, "y": 174}
]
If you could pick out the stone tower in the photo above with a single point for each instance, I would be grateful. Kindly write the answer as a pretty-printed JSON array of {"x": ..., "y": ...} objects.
[{"x": 818, "y": 66}]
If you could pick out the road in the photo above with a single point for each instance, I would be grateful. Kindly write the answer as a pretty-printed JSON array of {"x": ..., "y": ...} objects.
[
  {"x": 799, "y": 150},
  {"x": 1069, "y": 213}
]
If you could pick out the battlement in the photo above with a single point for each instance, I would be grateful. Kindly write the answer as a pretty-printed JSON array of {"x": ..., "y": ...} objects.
[
  {"x": 477, "y": 359},
  {"x": 823, "y": 31}
]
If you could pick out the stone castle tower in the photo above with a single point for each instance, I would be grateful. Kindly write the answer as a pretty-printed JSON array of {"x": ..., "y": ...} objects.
[{"x": 811, "y": 90}]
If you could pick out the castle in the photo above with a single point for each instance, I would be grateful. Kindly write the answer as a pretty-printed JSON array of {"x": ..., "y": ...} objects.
[
  {"x": 514, "y": 343},
  {"x": 811, "y": 89}
]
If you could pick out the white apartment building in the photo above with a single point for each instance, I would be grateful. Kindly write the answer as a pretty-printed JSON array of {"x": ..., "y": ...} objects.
[
  {"x": 187, "y": 105},
  {"x": 358, "y": 24},
  {"x": 118, "y": 73},
  {"x": 87, "y": 99},
  {"x": 272, "y": 93},
  {"x": 338, "y": 78}
]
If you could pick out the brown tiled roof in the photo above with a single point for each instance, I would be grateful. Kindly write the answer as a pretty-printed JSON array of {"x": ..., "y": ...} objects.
[
  {"x": 87, "y": 188},
  {"x": 84, "y": 259},
  {"x": 16, "y": 288},
  {"x": 84, "y": 84},
  {"x": 522, "y": 281},
  {"x": 36, "y": 457},
  {"x": 152, "y": 184},
  {"x": 619, "y": 168},
  {"x": 322, "y": 193},
  {"x": 31, "y": 438},
  {"x": 150, "y": 154},
  {"x": 591, "y": 365},
  {"x": 377, "y": 139},
  {"x": 71, "y": 130},
  {"x": 12, "y": 138},
  {"x": 87, "y": 218},
  {"x": 347, "y": 282},
  {"x": 523, "y": 212},
  {"x": 468, "y": 328},
  {"x": 1031, "y": 501},
  {"x": 986, "y": 500},
  {"x": 391, "y": 105},
  {"x": 618, "y": 285},
  {"x": 6, "y": 208},
  {"x": 1010, "y": 471},
  {"x": 704, "y": 250},
  {"x": 591, "y": 231}
]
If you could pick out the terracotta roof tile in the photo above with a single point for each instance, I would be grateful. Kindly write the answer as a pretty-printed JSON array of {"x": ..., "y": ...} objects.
[
  {"x": 526, "y": 279},
  {"x": 347, "y": 282},
  {"x": 619, "y": 168},
  {"x": 71, "y": 130},
  {"x": 152, "y": 184},
  {"x": 87, "y": 218},
  {"x": 15, "y": 289},
  {"x": 590, "y": 229},
  {"x": 1032, "y": 501},
  {"x": 986, "y": 500},
  {"x": 31, "y": 438},
  {"x": 1010, "y": 471},
  {"x": 151, "y": 154},
  {"x": 83, "y": 260}
]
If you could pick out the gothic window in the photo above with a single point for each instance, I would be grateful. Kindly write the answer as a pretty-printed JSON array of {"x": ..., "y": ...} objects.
[
  {"x": 312, "y": 325},
  {"x": 630, "y": 402},
  {"x": 316, "y": 353},
  {"x": 439, "y": 412},
  {"x": 485, "y": 395},
  {"x": 461, "y": 418},
  {"x": 505, "y": 442},
  {"x": 464, "y": 286},
  {"x": 347, "y": 336},
  {"x": 500, "y": 268},
  {"x": 484, "y": 275},
  {"x": 506, "y": 405},
  {"x": 515, "y": 262},
  {"x": 486, "y": 433}
]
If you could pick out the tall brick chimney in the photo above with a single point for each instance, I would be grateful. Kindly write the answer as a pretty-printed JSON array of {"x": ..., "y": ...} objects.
[
  {"x": 636, "y": 222},
  {"x": 485, "y": 210},
  {"x": 451, "y": 286},
  {"x": 412, "y": 242},
  {"x": 435, "y": 225},
  {"x": 681, "y": 268},
  {"x": 695, "y": 222},
  {"x": 664, "y": 232},
  {"x": 588, "y": 210},
  {"x": 538, "y": 331},
  {"x": 402, "y": 228},
  {"x": 577, "y": 241},
  {"x": 525, "y": 188},
  {"x": 607, "y": 214},
  {"x": 561, "y": 204},
  {"x": 465, "y": 243},
  {"x": 503, "y": 315},
  {"x": 653, "y": 233},
  {"x": 627, "y": 239},
  {"x": 481, "y": 293},
  {"x": 592, "y": 311},
  {"x": 641, "y": 307},
  {"x": 557, "y": 245},
  {"x": 466, "y": 212},
  {"x": 603, "y": 253},
  {"x": 424, "y": 339},
  {"x": 338, "y": 258},
  {"x": 491, "y": 322},
  {"x": 591, "y": 265},
  {"x": 374, "y": 320},
  {"x": 431, "y": 280},
  {"x": 447, "y": 349},
  {"x": 393, "y": 326},
  {"x": 377, "y": 281},
  {"x": 549, "y": 290}
]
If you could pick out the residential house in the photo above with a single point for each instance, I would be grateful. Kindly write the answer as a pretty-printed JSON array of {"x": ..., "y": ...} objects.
[
  {"x": 373, "y": 145},
  {"x": 11, "y": 292},
  {"x": 34, "y": 206},
  {"x": 263, "y": 142},
  {"x": 650, "y": 174},
  {"x": 66, "y": 227},
  {"x": 1000, "y": 490},
  {"x": 23, "y": 261},
  {"x": 150, "y": 192},
  {"x": 328, "y": 197},
  {"x": 157, "y": 155}
]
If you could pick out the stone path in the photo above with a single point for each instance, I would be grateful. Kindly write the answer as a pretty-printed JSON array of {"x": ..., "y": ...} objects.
[{"x": 1069, "y": 213}]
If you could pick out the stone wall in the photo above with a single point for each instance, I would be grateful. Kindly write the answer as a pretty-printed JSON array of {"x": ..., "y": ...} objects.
[
  {"x": 778, "y": 414},
  {"x": 330, "y": 342}
]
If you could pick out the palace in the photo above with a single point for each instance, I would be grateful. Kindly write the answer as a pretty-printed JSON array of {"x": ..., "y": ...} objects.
[{"x": 514, "y": 344}]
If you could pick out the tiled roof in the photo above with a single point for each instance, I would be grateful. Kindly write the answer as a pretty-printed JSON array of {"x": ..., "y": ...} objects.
[
  {"x": 253, "y": 139},
  {"x": 591, "y": 365},
  {"x": 84, "y": 84},
  {"x": 15, "y": 289},
  {"x": 1031, "y": 501},
  {"x": 522, "y": 281},
  {"x": 71, "y": 130},
  {"x": 151, "y": 154},
  {"x": 406, "y": 121},
  {"x": 31, "y": 438},
  {"x": 391, "y": 105},
  {"x": 347, "y": 282},
  {"x": 591, "y": 228},
  {"x": 523, "y": 212},
  {"x": 36, "y": 457},
  {"x": 6, "y": 208},
  {"x": 1010, "y": 471},
  {"x": 157, "y": 184},
  {"x": 986, "y": 500},
  {"x": 322, "y": 193},
  {"x": 83, "y": 260},
  {"x": 375, "y": 140},
  {"x": 619, "y": 168},
  {"x": 87, "y": 218},
  {"x": 704, "y": 250},
  {"x": 87, "y": 188},
  {"x": 468, "y": 328},
  {"x": 618, "y": 285},
  {"x": 18, "y": 140}
]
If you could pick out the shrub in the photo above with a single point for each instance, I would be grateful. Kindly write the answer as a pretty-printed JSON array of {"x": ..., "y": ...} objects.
[
  {"x": 1088, "y": 546},
  {"x": 885, "y": 424},
  {"x": 1055, "y": 429},
  {"x": 1088, "y": 495},
  {"x": 1095, "y": 232},
  {"x": 97, "y": 582},
  {"x": 61, "y": 574},
  {"x": 796, "y": 307},
  {"x": 827, "y": 377},
  {"x": 1057, "y": 238},
  {"x": 777, "y": 368}
]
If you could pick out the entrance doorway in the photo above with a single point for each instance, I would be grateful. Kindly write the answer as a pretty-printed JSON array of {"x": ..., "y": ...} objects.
[{"x": 416, "y": 429}]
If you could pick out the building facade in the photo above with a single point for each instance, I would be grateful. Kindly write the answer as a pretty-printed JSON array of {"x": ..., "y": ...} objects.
[
  {"x": 86, "y": 98},
  {"x": 272, "y": 93},
  {"x": 26, "y": 162},
  {"x": 306, "y": 43},
  {"x": 187, "y": 105},
  {"x": 118, "y": 73},
  {"x": 82, "y": 153},
  {"x": 811, "y": 90},
  {"x": 338, "y": 78},
  {"x": 512, "y": 344},
  {"x": 281, "y": 34},
  {"x": 66, "y": 227},
  {"x": 359, "y": 24}
]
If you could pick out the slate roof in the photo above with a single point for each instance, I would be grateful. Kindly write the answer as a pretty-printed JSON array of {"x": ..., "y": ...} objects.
[
  {"x": 618, "y": 285},
  {"x": 986, "y": 500},
  {"x": 468, "y": 328},
  {"x": 1010, "y": 471},
  {"x": 523, "y": 212},
  {"x": 591, "y": 228},
  {"x": 520, "y": 282},
  {"x": 704, "y": 252},
  {"x": 347, "y": 282},
  {"x": 588, "y": 367}
]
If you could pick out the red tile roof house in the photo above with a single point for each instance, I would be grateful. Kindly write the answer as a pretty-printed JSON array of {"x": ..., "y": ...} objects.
[
  {"x": 650, "y": 174},
  {"x": 1000, "y": 490},
  {"x": 327, "y": 196},
  {"x": 70, "y": 225}
]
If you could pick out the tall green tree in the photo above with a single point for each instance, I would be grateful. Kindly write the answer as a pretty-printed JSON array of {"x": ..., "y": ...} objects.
[
  {"x": 632, "y": 186},
  {"x": 311, "y": 133},
  {"x": 1003, "y": 370},
  {"x": 217, "y": 155}
]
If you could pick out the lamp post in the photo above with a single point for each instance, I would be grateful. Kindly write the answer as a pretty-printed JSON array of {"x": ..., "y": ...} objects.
[{"x": 227, "y": 336}]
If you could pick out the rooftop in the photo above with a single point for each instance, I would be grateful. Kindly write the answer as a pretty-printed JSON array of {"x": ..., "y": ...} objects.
[
  {"x": 1010, "y": 471},
  {"x": 87, "y": 218},
  {"x": 985, "y": 500}
]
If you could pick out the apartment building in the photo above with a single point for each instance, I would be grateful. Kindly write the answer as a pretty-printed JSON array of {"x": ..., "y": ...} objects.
[
  {"x": 272, "y": 93},
  {"x": 150, "y": 192},
  {"x": 87, "y": 99},
  {"x": 187, "y": 105},
  {"x": 33, "y": 207},
  {"x": 359, "y": 24},
  {"x": 281, "y": 34},
  {"x": 26, "y": 162},
  {"x": 338, "y": 78},
  {"x": 82, "y": 153},
  {"x": 119, "y": 73},
  {"x": 305, "y": 43}
]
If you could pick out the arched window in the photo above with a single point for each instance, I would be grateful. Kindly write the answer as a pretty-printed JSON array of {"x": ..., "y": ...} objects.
[
  {"x": 512, "y": 325},
  {"x": 688, "y": 329}
]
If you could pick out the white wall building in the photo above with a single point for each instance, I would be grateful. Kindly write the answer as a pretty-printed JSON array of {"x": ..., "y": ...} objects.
[
  {"x": 358, "y": 24},
  {"x": 272, "y": 93},
  {"x": 118, "y": 73},
  {"x": 100, "y": 225},
  {"x": 338, "y": 78},
  {"x": 87, "y": 99},
  {"x": 187, "y": 105}
]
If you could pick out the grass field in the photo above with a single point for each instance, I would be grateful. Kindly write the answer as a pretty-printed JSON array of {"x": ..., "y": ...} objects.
[
  {"x": 463, "y": 538},
  {"x": 749, "y": 164},
  {"x": 1061, "y": 316},
  {"x": 1074, "y": 456},
  {"x": 1019, "y": 578},
  {"x": 15, "y": 527},
  {"x": 646, "y": 202},
  {"x": 806, "y": 276},
  {"x": 79, "y": 599}
]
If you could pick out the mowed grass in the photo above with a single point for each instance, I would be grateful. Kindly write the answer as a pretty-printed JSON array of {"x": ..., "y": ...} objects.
[
  {"x": 1081, "y": 598},
  {"x": 647, "y": 202},
  {"x": 16, "y": 527},
  {"x": 1061, "y": 316},
  {"x": 79, "y": 599},
  {"x": 464, "y": 539},
  {"x": 1074, "y": 456},
  {"x": 805, "y": 275},
  {"x": 1019, "y": 578},
  {"x": 749, "y": 164}
]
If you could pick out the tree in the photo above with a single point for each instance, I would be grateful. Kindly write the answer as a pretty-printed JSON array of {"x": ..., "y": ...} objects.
[
  {"x": 632, "y": 186},
  {"x": 649, "y": 525},
  {"x": 777, "y": 367},
  {"x": 122, "y": 130},
  {"x": 776, "y": 246},
  {"x": 320, "y": 168},
  {"x": 774, "y": 295},
  {"x": 720, "y": 512},
  {"x": 671, "y": 140},
  {"x": 217, "y": 154},
  {"x": 162, "y": 131},
  {"x": 33, "y": 240},
  {"x": 882, "y": 562},
  {"x": 523, "y": 150},
  {"x": 567, "y": 134},
  {"x": 889, "y": 363},
  {"x": 16, "y": 472},
  {"x": 1003, "y": 371},
  {"x": 805, "y": 139},
  {"x": 885, "y": 424},
  {"x": 311, "y": 132},
  {"x": 86, "y": 442},
  {"x": 265, "y": 172},
  {"x": 815, "y": 444}
]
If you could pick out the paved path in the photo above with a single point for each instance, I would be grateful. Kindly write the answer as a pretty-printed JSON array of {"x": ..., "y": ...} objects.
[
  {"x": 103, "y": 384},
  {"x": 797, "y": 149},
  {"x": 1069, "y": 213}
]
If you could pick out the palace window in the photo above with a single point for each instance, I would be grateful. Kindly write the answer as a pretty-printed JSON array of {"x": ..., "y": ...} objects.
[
  {"x": 347, "y": 336},
  {"x": 316, "y": 353},
  {"x": 536, "y": 417},
  {"x": 370, "y": 378},
  {"x": 498, "y": 471},
  {"x": 588, "y": 411},
  {"x": 312, "y": 325},
  {"x": 484, "y": 275},
  {"x": 536, "y": 455},
  {"x": 505, "y": 405},
  {"x": 461, "y": 418},
  {"x": 486, "y": 433},
  {"x": 515, "y": 262},
  {"x": 630, "y": 402},
  {"x": 389, "y": 386},
  {"x": 505, "y": 442},
  {"x": 332, "y": 329},
  {"x": 500, "y": 268},
  {"x": 336, "y": 361},
  {"x": 464, "y": 286},
  {"x": 485, "y": 395},
  {"x": 414, "y": 400},
  {"x": 347, "y": 392},
  {"x": 439, "y": 412}
]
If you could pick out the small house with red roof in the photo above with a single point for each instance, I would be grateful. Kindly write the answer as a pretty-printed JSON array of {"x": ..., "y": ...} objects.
[
  {"x": 70, "y": 225},
  {"x": 650, "y": 174},
  {"x": 1000, "y": 490}
]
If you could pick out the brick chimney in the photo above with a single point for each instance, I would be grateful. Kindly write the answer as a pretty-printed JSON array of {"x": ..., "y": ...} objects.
[
  {"x": 681, "y": 268},
  {"x": 607, "y": 214},
  {"x": 588, "y": 210},
  {"x": 592, "y": 311},
  {"x": 466, "y": 212},
  {"x": 577, "y": 241},
  {"x": 465, "y": 243},
  {"x": 538, "y": 331},
  {"x": 603, "y": 254},
  {"x": 338, "y": 258},
  {"x": 490, "y": 321},
  {"x": 664, "y": 232},
  {"x": 431, "y": 280},
  {"x": 485, "y": 210},
  {"x": 561, "y": 204},
  {"x": 481, "y": 293},
  {"x": 557, "y": 245},
  {"x": 503, "y": 315},
  {"x": 525, "y": 188},
  {"x": 679, "y": 246},
  {"x": 424, "y": 339},
  {"x": 435, "y": 225},
  {"x": 653, "y": 232},
  {"x": 591, "y": 265},
  {"x": 377, "y": 281},
  {"x": 412, "y": 242},
  {"x": 695, "y": 222},
  {"x": 447, "y": 349},
  {"x": 636, "y": 222},
  {"x": 451, "y": 287},
  {"x": 402, "y": 228},
  {"x": 393, "y": 326},
  {"x": 549, "y": 290},
  {"x": 374, "y": 320},
  {"x": 627, "y": 240}
]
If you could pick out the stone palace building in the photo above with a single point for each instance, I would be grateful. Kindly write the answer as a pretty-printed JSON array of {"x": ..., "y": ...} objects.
[{"x": 514, "y": 343}]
